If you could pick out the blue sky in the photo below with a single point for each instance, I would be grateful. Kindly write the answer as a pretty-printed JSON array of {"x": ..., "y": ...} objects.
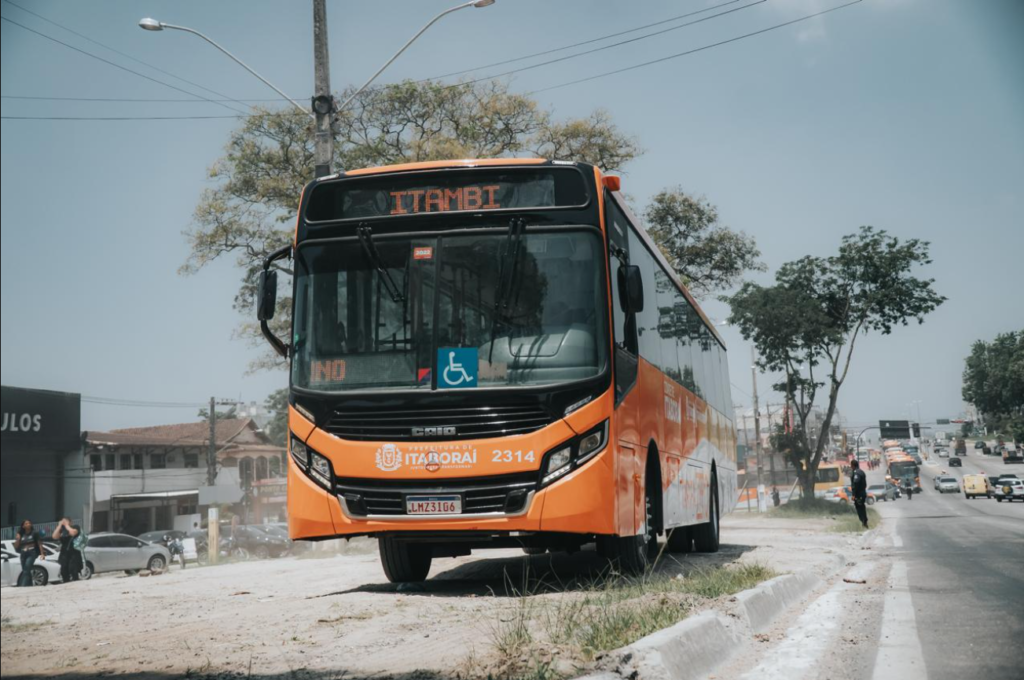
[{"x": 904, "y": 114}]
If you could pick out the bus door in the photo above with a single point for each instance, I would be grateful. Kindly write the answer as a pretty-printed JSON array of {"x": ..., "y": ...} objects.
[{"x": 629, "y": 465}]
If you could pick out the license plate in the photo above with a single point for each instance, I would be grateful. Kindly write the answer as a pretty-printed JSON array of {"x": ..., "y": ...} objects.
[{"x": 433, "y": 505}]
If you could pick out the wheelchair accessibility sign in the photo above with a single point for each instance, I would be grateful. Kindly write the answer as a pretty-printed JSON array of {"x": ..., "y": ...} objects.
[{"x": 457, "y": 367}]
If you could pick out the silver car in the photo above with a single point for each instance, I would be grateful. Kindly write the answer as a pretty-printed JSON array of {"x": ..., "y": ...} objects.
[
  {"x": 947, "y": 484},
  {"x": 120, "y": 552}
]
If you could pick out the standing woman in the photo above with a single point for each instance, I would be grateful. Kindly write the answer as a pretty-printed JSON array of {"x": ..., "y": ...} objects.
[
  {"x": 70, "y": 557},
  {"x": 29, "y": 545}
]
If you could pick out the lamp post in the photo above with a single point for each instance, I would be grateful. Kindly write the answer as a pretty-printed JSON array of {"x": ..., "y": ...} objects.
[{"x": 323, "y": 108}]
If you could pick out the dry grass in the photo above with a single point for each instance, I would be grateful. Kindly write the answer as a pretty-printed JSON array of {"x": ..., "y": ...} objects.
[{"x": 542, "y": 637}]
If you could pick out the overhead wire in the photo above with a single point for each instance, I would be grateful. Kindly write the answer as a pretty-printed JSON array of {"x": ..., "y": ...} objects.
[
  {"x": 606, "y": 47},
  {"x": 119, "y": 66},
  {"x": 123, "y": 54},
  {"x": 694, "y": 50},
  {"x": 578, "y": 44}
]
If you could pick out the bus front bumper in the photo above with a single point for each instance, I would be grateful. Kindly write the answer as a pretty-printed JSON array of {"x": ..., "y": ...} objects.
[{"x": 580, "y": 503}]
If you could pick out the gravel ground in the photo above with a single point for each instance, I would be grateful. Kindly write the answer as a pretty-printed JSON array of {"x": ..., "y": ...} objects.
[{"x": 332, "y": 615}]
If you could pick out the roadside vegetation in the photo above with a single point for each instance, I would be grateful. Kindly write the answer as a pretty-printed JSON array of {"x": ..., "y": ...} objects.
[
  {"x": 843, "y": 516},
  {"x": 541, "y": 639}
]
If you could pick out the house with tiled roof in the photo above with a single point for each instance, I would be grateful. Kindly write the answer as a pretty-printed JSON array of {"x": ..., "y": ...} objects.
[{"x": 158, "y": 477}]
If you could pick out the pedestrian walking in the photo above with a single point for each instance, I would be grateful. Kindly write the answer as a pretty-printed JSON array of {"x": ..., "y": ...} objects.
[
  {"x": 908, "y": 487},
  {"x": 28, "y": 543},
  {"x": 859, "y": 486},
  {"x": 70, "y": 559}
]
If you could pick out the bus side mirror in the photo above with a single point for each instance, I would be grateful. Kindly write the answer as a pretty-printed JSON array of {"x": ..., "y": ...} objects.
[
  {"x": 631, "y": 289},
  {"x": 266, "y": 295}
]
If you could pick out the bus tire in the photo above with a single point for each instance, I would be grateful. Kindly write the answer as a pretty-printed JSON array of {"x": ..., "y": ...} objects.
[
  {"x": 706, "y": 536},
  {"x": 404, "y": 562},
  {"x": 680, "y": 540},
  {"x": 632, "y": 554}
]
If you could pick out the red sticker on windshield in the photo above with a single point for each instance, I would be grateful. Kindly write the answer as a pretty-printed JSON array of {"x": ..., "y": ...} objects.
[{"x": 422, "y": 253}]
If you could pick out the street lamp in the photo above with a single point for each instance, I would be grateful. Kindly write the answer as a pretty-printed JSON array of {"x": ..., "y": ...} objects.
[
  {"x": 150, "y": 24},
  {"x": 471, "y": 3}
]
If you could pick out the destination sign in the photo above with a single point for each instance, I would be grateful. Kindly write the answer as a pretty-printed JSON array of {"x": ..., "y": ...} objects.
[{"x": 446, "y": 192}]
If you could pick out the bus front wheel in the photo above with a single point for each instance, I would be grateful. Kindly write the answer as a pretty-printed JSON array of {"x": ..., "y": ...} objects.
[
  {"x": 706, "y": 536},
  {"x": 404, "y": 562}
]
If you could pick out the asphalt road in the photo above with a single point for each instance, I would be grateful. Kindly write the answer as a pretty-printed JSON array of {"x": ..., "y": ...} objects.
[{"x": 965, "y": 563}]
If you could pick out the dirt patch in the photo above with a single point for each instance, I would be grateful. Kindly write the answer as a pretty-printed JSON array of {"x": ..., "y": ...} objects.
[{"x": 329, "y": 614}]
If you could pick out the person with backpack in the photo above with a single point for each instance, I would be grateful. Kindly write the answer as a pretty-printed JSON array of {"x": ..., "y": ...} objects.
[{"x": 71, "y": 547}]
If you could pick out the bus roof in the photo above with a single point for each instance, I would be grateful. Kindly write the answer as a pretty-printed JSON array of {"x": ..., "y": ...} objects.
[{"x": 438, "y": 165}]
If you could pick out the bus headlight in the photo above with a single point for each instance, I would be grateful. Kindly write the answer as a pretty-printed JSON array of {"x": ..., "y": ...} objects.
[
  {"x": 300, "y": 453},
  {"x": 574, "y": 453},
  {"x": 557, "y": 464},
  {"x": 320, "y": 470}
]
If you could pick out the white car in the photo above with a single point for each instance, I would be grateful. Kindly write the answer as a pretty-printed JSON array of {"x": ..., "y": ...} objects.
[
  {"x": 43, "y": 571},
  {"x": 1009, "y": 489},
  {"x": 832, "y": 495},
  {"x": 947, "y": 484},
  {"x": 50, "y": 549}
]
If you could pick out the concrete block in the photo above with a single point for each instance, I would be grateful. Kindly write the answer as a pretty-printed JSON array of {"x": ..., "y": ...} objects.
[{"x": 764, "y": 603}]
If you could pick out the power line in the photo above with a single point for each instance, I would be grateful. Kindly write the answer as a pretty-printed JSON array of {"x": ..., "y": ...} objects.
[
  {"x": 136, "y": 99},
  {"x": 693, "y": 51},
  {"x": 118, "y": 66},
  {"x": 607, "y": 47},
  {"x": 579, "y": 44},
  {"x": 123, "y": 54},
  {"x": 122, "y": 118}
]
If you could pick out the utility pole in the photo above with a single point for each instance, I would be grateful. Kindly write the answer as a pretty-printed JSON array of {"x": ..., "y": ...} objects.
[
  {"x": 762, "y": 504},
  {"x": 211, "y": 453},
  {"x": 771, "y": 450},
  {"x": 323, "y": 101}
]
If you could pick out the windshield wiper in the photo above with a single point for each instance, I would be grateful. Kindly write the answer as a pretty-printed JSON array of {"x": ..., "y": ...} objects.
[
  {"x": 365, "y": 235},
  {"x": 509, "y": 260}
]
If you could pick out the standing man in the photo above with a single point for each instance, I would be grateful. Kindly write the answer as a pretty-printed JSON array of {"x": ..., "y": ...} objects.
[
  {"x": 70, "y": 557},
  {"x": 859, "y": 486},
  {"x": 28, "y": 543}
]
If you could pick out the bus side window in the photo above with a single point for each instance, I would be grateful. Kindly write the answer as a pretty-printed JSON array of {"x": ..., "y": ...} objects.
[{"x": 624, "y": 330}]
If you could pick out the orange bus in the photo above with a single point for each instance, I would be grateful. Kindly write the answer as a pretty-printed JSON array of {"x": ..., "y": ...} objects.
[{"x": 491, "y": 354}]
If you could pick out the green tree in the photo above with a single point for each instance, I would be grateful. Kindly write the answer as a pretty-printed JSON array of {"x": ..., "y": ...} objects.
[
  {"x": 993, "y": 382},
  {"x": 276, "y": 405},
  {"x": 811, "y": 318},
  {"x": 249, "y": 211},
  {"x": 707, "y": 255}
]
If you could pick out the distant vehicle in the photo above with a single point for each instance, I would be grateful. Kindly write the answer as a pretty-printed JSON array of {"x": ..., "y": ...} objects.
[
  {"x": 43, "y": 571},
  {"x": 947, "y": 484},
  {"x": 955, "y": 462},
  {"x": 162, "y": 536},
  {"x": 1013, "y": 455},
  {"x": 980, "y": 444},
  {"x": 1009, "y": 489},
  {"x": 884, "y": 492},
  {"x": 829, "y": 476},
  {"x": 941, "y": 452},
  {"x": 256, "y": 542},
  {"x": 165, "y": 537},
  {"x": 845, "y": 495},
  {"x": 831, "y": 495},
  {"x": 977, "y": 485},
  {"x": 120, "y": 552}
]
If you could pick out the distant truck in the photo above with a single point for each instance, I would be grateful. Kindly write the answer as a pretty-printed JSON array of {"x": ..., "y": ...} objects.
[
  {"x": 977, "y": 485},
  {"x": 961, "y": 447},
  {"x": 1012, "y": 455}
]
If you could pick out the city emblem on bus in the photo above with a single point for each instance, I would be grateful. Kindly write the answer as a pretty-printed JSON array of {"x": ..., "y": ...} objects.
[
  {"x": 433, "y": 462},
  {"x": 389, "y": 458}
]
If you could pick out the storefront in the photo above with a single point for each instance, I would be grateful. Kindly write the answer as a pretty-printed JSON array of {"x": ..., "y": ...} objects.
[
  {"x": 270, "y": 500},
  {"x": 40, "y": 453}
]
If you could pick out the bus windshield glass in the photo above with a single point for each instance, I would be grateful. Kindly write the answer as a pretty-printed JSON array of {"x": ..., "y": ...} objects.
[{"x": 488, "y": 309}]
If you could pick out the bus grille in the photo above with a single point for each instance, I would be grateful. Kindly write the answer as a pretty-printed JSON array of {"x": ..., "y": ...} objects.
[
  {"x": 477, "y": 422},
  {"x": 499, "y": 493}
]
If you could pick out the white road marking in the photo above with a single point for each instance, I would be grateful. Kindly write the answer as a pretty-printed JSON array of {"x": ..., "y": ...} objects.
[
  {"x": 808, "y": 640},
  {"x": 899, "y": 647}
]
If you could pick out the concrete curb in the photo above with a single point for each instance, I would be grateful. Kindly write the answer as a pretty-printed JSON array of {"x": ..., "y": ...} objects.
[{"x": 696, "y": 646}]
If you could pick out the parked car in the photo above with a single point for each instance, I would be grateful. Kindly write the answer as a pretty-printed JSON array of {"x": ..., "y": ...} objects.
[
  {"x": 50, "y": 549},
  {"x": 1009, "y": 489},
  {"x": 831, "y": 495},
  {"x": 955, "y": 462},
  {"x": 884, "y": 492},
  {"x": 43, "y": 571},
  {"x": 256, "y": 542},
  {"x": 119, "y": 552},
  {"x": 845, "y": 495},
  {"x": 947, "y": 484},
  {"x": 161, "y": 537}
]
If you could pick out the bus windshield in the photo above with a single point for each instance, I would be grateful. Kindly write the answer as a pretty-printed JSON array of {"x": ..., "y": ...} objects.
[{"x": 483, "y": 309}]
